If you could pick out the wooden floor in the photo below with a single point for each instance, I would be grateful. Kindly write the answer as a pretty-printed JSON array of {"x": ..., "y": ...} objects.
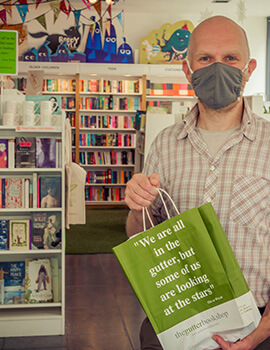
[{"x": 102, "y": 312}]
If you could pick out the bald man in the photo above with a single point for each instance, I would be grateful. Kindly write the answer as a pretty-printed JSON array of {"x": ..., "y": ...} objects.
[{"x": 219, "y": 154}]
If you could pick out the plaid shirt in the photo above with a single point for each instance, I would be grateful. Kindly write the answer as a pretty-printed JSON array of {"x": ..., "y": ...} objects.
[{"x": 236, "y": 181}]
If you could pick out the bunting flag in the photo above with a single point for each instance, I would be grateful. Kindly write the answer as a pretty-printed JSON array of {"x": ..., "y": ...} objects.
[
  {"x": 8, "y": 8},
  {"x": 3, "y": 17},
  {"x": 37, "y": 3},
  {"x": 97, "y": 7},
  {"x": 87, "y": 3},
  {"x": 22, "y": 9},
  {"x": 64, "y": 8},
  {"x": 92, "y": 27},
  {"x": 77, "y": 15},
  {"x": 42, "y": 20},
  {"x": 22, "y": 2},
  {"x": 55, "y": 6},
  {"x": 108, "y": 27},
  {"x": 109, "y": 9},
  {"x": 120, "y": 18},
  {"x": 100, "y": 24}
]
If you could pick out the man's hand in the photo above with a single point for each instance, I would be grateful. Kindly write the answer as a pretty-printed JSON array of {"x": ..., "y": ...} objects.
[
  {"x": 141, "y": 191},
  {"x": 243, "y": 344}
]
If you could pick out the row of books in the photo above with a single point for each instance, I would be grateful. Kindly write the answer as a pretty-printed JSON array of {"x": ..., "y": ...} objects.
[
  {"x": 101, "y": 194},
  {"x": 111, "y": 157},
  {"x": 30, "y": 152},
  {"x": 110, "y": 103},
  {"x": 67, "y": 102},
  {"x": 43, "y": 191},
  {"x": 108, "y": 176},
  {"x": 20, "y": 84},
  {"x": 59, "y": 85},
  {"x": 114, "y": 139},
  {"x": 168, "y": 89},
  {"x": 42, "y": 231},
  {"x": 110, "y": 86},
  {"x": 107, "y": 121},
  {"x": 30, "y": 281}
]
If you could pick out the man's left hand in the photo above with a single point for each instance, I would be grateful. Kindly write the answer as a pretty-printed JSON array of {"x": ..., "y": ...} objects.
[{"x": 243, "y": 344}]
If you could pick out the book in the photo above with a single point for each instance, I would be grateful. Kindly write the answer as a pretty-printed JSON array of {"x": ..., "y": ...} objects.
[
  {"x": 50, "y": 191},
  {"x": 3, "y": 153},
  {"x": 45, "y": 152},
  {"x": 46, "y": 230},
  {"x": 19, "y": 234},
  {"x": 38, "y": 280},
  {"x": 11, "y": 153},
  {"x": 13, "y": 275},
  {"x": 25, "y": 152},
  {"x": 55, "y": 279},
  {"x": 14, "y": 192},
  {"x": 4, "y": 232}
]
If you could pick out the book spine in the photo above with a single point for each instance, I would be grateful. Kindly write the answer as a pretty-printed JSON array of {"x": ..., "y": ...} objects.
[{"x": 35, "y": 187}]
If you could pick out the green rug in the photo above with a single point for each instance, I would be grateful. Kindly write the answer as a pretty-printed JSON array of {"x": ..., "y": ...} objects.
[{"x": 104, "y": 229}]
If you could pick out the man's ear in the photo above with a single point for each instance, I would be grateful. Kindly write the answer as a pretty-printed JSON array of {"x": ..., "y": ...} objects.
[
  {"x": 251, "y": 66},
  {"x": 186, "y": 70}
]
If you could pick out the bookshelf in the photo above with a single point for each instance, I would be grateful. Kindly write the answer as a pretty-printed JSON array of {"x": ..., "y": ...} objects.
[
  {"x": 22, "y": 318},
  {"x": 98, "y": 98}
]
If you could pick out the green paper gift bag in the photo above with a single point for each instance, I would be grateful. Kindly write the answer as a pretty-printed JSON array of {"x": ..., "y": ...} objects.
[{"x": 186, "y": 277}]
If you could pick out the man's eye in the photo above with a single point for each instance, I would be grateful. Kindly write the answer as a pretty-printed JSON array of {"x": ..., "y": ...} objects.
[
  {"x": 231, "y": 58},
  {"x": 205, "y": 59}
]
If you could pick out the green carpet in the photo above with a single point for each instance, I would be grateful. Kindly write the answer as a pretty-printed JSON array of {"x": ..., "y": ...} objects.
[{"x": 104, "y": 229}]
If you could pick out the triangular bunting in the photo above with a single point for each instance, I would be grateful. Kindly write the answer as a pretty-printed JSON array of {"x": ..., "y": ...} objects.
[
  {"x": 109, "y": 9},
  {"x": 37, "y": 3},
  {"x": 87, "y": 3},
  {"x": 55, "y": 6},
  {"x": 64, "y": 8},
  {"x": 8, "y": 8},
  {"x": 3, "y": 16},
  {"x": 120, "y": 18},
  {"x": 97, "y": 7},
  {"x": 42, "y": 20},
  {"x": 22, "y": 2},
  {"x": 108, "y": 27},
  {"x": 100, "y": 24},
  {"x": 77, "y": 15},
  {"x": 22, "y": 9}
]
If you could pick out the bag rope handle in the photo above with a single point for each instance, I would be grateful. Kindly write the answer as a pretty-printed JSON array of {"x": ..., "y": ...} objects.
[{"x": 160, "y": 190}]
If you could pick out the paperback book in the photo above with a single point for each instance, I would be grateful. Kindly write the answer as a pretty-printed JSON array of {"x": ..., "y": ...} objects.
[
  {"x": 13, "y": 275},
  {"x": 38, "y": 280},
  {"x": 25, "y": 152},
  {"x": 4, "y": 229},
  {"x": 19, "y": 234},
  {"x": 14, "y": 193},
  {"x": 3, "y": 153},
  {"x": 50, "y": 191},
  {"x": 46, "y": 230},
  {"x": 45, "y": 152}
]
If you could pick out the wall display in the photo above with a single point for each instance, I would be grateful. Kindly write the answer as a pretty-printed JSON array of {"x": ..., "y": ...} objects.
[
  {"x": 108, "y": 53},
  {"x": 168, "y": 44}
]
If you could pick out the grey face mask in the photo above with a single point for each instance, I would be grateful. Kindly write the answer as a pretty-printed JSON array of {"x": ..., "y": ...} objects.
[{"x": 218, "y": 84}]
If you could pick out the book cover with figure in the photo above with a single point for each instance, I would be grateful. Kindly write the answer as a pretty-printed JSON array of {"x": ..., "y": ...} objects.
[
  {"x": 19, "y": 234},
  {"x": 14, "y": 192},
  {"x": 4, "y": 229},
  {"x": 50, "y": 191},
  {"x": 3, "y": 153},
  {"x": 45, "y": 152},
  {"x": 38, "y": 280},
  {"x": 12, "y": 277},
  {"x": 46, "y": 230},
  {"x": 25, "y": 152}
]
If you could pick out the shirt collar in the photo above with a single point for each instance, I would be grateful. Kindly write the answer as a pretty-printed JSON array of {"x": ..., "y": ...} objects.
[{"x": 248, "y": 124}]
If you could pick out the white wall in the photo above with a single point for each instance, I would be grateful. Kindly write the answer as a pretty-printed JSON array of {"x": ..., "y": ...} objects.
[{"x": 142, "y": 16}]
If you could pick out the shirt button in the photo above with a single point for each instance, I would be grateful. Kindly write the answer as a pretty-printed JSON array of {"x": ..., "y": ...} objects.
[
  {"x": 212, "y": 168},
  {"x": 208, "y": 199}
]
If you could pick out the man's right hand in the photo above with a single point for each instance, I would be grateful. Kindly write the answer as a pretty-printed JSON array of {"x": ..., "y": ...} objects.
[{"x": 141, "y": 191}]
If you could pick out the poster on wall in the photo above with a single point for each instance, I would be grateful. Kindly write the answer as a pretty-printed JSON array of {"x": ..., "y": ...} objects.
[
  {"x": 9, "y": 52},
  {"x": 166, "y": 45}
]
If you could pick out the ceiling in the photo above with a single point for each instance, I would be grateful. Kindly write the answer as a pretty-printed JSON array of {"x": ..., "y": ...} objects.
[{"x": 250, "y": 8}]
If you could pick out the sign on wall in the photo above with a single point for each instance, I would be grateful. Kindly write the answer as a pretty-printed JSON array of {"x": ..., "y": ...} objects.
[
  {"x": 9, "y": 52},
  {"x": 166, "y": 45}
]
